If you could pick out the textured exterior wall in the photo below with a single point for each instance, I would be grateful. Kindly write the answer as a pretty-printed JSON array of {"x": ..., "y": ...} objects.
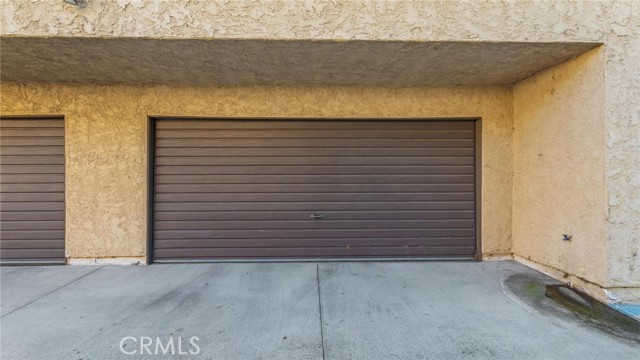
[
  {"x": 559, "y": 182},
  {"x": 106, "y": 143},
  {"x": 616, "y": 24},
  {"x": 498, "y": 20}
]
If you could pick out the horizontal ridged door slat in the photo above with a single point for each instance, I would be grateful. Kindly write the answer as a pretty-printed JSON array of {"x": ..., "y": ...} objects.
[
  {"x": 310, "y": 170},
  {"x": 313, "y": 161},
  {"x": 316, "y": 231},
  {"x": 32, "y": 189},
  {"x": 313, "y": 134},
  {"x": 307, "y": 188},
  {"x": 317, "y": 143},
  {"x": 316, "y": 252},
  {"x": 298, "y": 215},
  {"x": 311, "y": 242},
  {"x": 317, "y": 206},
  {"x": 342, "y": 124},
  {"x": 313, "y": 152},
  {"x": 246, "y": 188}
]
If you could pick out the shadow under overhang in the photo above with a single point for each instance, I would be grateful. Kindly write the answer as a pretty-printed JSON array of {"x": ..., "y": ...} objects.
[{"x": 277, "y": 62}]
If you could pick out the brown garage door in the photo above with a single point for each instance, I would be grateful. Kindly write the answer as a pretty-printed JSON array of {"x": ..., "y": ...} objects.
[
  {"x": 32, "y": 189},
  {"x": 290, "y": 189}
]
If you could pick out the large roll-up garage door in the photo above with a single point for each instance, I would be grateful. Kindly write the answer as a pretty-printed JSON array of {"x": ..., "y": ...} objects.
[
  {"x": 32, "y": 189},
  {"x": 314, "y": 189}
]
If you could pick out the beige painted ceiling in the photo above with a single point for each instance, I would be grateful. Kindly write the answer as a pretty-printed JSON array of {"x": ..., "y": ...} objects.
[{"x": 271, "y": 62}]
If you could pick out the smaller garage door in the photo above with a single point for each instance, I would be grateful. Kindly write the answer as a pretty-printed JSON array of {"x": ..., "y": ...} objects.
[{"x": 32, "y": 189}]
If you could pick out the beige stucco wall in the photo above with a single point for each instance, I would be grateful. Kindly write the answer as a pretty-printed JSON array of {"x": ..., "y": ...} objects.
[
  {"x": 616, "y": 24},
  {"x": 559, "y": 184},
  {"x": 106, "y": 137}
]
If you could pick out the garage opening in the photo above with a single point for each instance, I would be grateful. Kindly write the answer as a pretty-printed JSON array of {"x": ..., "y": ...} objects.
[
  {"x": 314, "y": 189},
  {"x": 32, "y": 221}
]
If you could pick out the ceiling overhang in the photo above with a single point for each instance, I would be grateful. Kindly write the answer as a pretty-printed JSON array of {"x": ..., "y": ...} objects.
[{"x": 276, "y": 62}]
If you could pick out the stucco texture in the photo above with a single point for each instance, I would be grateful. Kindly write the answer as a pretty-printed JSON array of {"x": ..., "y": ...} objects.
[
  {"x": 106, "y": 137},
  {"x": 559, "y": 182},
  {"x": 280, "y": 63},
  {"x": 616, "y": 24}
]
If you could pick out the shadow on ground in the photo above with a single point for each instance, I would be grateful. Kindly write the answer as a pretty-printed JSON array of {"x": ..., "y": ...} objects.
[{"x": 561, "y": 301}]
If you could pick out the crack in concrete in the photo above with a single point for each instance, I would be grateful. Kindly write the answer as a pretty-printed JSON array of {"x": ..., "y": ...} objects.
[
  {"x": 50, "y": 292},
  {"x": 320, "y": 309}
]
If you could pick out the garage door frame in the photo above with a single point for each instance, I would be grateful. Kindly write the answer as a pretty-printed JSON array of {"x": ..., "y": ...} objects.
[
  {"x": 63, "y": 261},
  {"x": 151, "y": 136}
]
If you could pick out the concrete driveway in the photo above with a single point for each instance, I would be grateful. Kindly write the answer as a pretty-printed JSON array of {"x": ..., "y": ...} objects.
[{"x": 393, "y": 310}]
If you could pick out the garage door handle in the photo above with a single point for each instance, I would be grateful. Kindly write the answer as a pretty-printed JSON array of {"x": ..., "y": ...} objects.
[{"x": 314, "y": 216}]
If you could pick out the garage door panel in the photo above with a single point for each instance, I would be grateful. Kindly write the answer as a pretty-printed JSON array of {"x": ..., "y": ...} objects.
[
  {"x": 32, "y": 244},
  {"x": 315, "y": 206},
  {"x": 318, "y": 232},
  {"x": 307, "y": 224},
  {"x": 31, "y": 234},
  {"x": 313, "y": 152},
  {"x": 38, "y": 254},
  {"x": 306, "y": 188},
  {"x": 300, "y": 215},
  {"x": 31, "y": 225},
  {"x": 313, "y": 242},
  {"x": 163, "y": 142},
  {"x": 233, "y": 188},
  {"x": 32, "y": 197},
  {"x": 313, "y": 161},
  {"x": 337, "y": 252},
  {"x": 31, "y": 132},
  {"x": 346, "y": 124},
  {"x": 319, "y": 179},
  {"x": 32, "y": 169},
  {"x": 316, "y": 134},
  {"x": 31, "y": 123},
  {"x": 23, "y": 160},
  {"x": 35, "y": 215},
  {"x": 42, "y": 187},
  {"x": 31, "y": 178},
  {"x": 6, "y": 149},
  {"x": 8, "y": 206},
  {"x": 308, "y": 197},
  {"x": 308, "y": 170},
  {"x": 32, "y": 189},
  {"x": 29, "y": 141}
]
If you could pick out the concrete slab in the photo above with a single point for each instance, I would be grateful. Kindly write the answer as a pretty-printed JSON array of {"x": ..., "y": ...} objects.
[
  {"x": 447, "y": 311},
  {"x": 238, "y": 311},
  {"x": 272, "y": 311},
  {"x": 20, "y": 285}
]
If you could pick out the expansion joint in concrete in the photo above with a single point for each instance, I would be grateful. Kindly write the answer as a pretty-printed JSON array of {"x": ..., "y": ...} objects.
[
  {"x": 320, "y": 308},
  {"x": 51, "y": 292}
]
